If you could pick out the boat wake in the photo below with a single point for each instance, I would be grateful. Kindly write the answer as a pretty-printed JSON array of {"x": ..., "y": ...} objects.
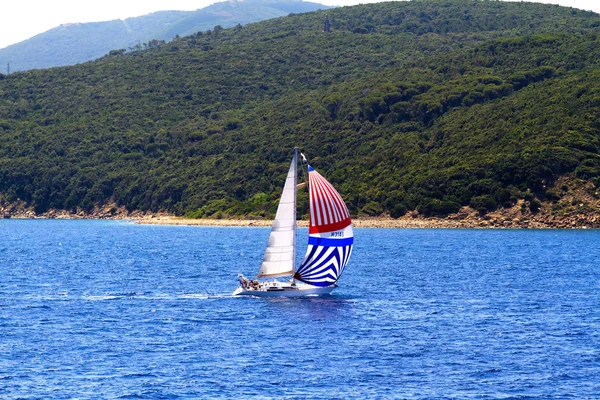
[{"x": 157, "y": 296}]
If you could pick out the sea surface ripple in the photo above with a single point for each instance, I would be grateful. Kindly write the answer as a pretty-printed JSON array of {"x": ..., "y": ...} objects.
[{"x": 113, "y": 310}]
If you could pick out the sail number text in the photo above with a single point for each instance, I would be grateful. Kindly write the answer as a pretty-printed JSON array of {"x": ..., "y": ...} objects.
[{"x": 337, "y": 234}]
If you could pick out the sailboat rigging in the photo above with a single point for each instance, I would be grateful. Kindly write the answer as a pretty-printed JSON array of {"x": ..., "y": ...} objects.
[{"x": 330, "y": 241}]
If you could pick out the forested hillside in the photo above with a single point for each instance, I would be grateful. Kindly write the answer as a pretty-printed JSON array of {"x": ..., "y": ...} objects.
[
  {"x": 73, "y": 43},
  {"x": 422, "y": 105}
]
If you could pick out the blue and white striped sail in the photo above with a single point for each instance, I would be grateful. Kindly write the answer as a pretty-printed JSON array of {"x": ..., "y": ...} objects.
[{"x": 330, "y": 236}]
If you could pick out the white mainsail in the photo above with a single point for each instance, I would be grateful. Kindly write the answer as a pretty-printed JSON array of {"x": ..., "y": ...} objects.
[{"x": 279, "y": 258}]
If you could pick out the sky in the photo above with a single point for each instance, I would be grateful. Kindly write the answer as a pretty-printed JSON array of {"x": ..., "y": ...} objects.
[{"x": 22, "y": 19}]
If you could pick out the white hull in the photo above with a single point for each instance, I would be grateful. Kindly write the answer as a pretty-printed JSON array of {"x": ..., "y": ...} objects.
[{"x": 279, "y": 289}]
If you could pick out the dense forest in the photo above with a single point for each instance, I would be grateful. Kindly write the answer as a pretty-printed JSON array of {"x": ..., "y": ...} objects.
[{"x": 422, "y": 105}]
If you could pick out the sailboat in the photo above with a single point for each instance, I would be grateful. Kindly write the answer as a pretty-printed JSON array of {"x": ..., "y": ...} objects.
[{"x": 330, "y": 241}]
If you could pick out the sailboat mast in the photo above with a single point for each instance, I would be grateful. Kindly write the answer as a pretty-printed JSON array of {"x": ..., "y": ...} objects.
[{"x": 295, "y": 162}]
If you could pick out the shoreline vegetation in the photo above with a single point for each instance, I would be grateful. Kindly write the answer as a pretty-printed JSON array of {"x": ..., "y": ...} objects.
[{"x": 514, "y": 218}]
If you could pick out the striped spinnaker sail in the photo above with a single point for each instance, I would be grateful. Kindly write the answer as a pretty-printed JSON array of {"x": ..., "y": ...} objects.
[{"x": 330, "y": 236}]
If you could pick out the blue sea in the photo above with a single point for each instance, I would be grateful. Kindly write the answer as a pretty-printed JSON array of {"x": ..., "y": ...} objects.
[{"x": 114, "y": 310}]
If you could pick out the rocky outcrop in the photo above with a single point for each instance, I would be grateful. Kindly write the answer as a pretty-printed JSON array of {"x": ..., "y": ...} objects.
[{"x": 21, "y": 211}]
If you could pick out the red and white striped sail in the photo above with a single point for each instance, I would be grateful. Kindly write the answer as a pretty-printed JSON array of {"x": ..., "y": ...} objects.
[{"x": 328, "y": 212}]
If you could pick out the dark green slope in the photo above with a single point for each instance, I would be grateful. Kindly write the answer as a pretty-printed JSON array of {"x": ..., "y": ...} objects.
[{"x": 422, "y": 105}]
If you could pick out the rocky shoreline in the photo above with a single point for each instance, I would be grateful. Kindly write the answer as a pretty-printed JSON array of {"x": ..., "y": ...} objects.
[
  {"x": 514, "y": 218},
  {"x": 452, "y": 222}
]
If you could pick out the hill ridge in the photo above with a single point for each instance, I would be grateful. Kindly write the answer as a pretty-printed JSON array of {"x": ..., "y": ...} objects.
[
  {"x": 402, "y": 107},
  {"x": 77, "y": 42}
]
